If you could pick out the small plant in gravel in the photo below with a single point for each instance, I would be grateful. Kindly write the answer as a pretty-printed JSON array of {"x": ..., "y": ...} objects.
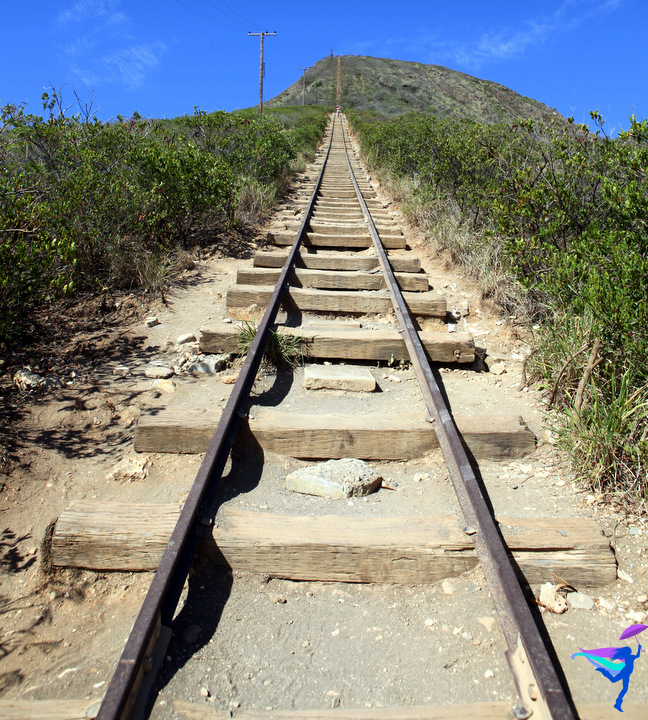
[{"x": 282, "y": 350}]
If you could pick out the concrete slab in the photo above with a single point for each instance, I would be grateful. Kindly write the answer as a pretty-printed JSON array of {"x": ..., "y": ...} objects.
[{"x": 353, "y": 378}]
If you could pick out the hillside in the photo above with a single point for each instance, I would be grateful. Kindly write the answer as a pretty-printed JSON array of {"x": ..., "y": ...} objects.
[{"x": 394, "y": 87}]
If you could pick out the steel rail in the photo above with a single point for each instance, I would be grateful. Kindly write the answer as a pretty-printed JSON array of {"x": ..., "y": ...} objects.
[
  {"x": 147, "y": 642},
  {"x": 539, "y": 688}
]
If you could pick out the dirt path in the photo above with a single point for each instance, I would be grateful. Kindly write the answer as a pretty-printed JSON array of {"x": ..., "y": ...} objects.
[{"x": 251, "y": 644}]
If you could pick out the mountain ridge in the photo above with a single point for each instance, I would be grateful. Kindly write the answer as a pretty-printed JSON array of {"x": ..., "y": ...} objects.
[{"x": 394, "y": 87}]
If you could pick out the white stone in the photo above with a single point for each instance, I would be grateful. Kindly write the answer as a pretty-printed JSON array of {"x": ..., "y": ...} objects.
[
  {"x": 129, "y": 469},
  {"x": 580, "y": 601},
  {"x": 158, "y": 372},
  {"x": 165, "y": 385},
  {"x": 335, "y": 479},
  {"x": 351, "y": 378},
  {"x": 121, "y": 370},
  {"x": 551, "y": 600},
  {"x": 448, "y": 587},
  {"x": 152, "y": 321},
  {"x": 209, "y": 365},
  {"x": 27, "y": 380},
  {"x": 186, "y": 338},
  {"x": 497, "y": 368}
]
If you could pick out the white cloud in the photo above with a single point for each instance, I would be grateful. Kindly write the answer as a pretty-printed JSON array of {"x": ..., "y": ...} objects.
[
  {"x": 88, "y": 9},
  {"x": 130, "y": 65},
  {"x": 503, "y": 43},
  {"x": 98, "y": 40}
]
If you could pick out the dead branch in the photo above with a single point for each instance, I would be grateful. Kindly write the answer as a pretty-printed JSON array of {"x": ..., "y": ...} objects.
[
  {"x": 554, "y": 389},
  {"x": 591, "y": 364}
]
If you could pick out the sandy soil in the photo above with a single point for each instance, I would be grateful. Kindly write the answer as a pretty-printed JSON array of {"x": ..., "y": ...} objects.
[{"x": 243, "y": 642}]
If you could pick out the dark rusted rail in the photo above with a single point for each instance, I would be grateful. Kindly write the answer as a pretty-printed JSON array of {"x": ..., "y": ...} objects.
[
  {"x": 539, "y": 688},
  {"x": 137, "y": 668}
]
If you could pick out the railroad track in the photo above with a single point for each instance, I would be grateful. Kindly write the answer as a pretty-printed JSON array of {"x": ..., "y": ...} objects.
[{"x": 342, "y": 255}]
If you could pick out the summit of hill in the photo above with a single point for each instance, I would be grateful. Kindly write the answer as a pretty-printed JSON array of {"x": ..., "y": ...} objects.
[{"x": 395, "y": 87}]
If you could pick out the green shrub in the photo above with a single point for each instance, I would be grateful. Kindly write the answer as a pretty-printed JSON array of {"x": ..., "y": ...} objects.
[
  {"x": 87, "y": 204},
  {"x": 553, "y": 222}
]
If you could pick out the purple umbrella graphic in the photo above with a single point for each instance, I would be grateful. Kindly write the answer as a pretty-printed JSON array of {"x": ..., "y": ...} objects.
[{"x": 632, "y": 631}]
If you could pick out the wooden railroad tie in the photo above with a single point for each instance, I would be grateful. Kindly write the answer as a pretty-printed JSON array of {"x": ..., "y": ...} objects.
[
  {"x": 405, "y": 550},
  {"x": 332, "y": 280},
  {"x": 428, "y": 304},
  {"x": 84, "y": 709},
  {"x": 337, "y": 261},
  {"x": 401, "y": 436},
  {"x": 345, "y": 343},
  {"x": 339, "y": 240}
]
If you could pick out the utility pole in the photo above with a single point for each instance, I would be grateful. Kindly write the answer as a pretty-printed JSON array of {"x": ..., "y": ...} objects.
[
  {"x": 261, "y": 68},
  {"x": 304, "y": 87}
]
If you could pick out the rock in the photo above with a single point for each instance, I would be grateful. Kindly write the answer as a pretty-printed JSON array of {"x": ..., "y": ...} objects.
[
  {"x": 580, "y": 601},
  {"x": 209, "y": 365},
  {"x": 121, "y": 370},
  {"x": 391, "y": 378},
  {"x": 497, "y": 368},
  {"x": 448, "y": 587},
  {"x": 463, "y": 308},
  {"x": 636, "y": 616},
  {"x": 276, "y": 599},
  {"x": 205, "y": 692},
  {"x": 152, "y": 321},
  {"x": 186, "y": 338},
  {"x": 623, "y": 575},
  {"x": 551, "y": 600},
  {"x": 229, "y": 379},
  {"x": 158, "y": 372},
  {"x": 335, "y": 479},
  {"x": 489, "y": 673},
  {"x": 129, "y": 469},
  {"x": 28, "y": 380},
  {"x": 167, "y": 386}
]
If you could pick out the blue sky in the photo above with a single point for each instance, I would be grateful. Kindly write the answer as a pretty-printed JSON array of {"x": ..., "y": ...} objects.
[{"x": 163, "y": 58}]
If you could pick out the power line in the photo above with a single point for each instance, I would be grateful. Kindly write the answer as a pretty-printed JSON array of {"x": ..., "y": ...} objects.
[
  {"x": 206, "y": 17},
  {"x": 230, "y": 12}
]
